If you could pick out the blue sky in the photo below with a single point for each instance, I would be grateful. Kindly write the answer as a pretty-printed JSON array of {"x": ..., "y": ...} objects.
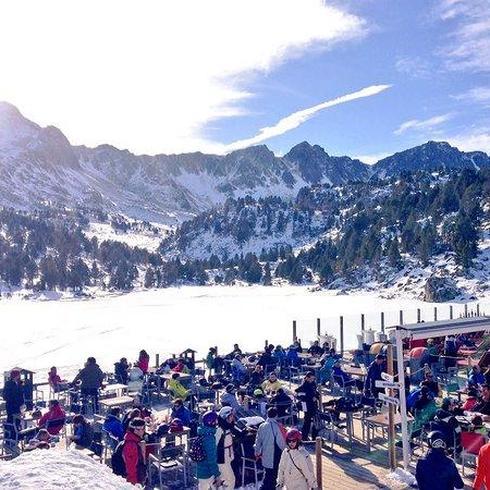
[{"x": 187, "y": 75}]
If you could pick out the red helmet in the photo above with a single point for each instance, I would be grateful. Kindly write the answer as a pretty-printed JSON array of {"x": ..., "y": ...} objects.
[{"x": 293, "y": 435}]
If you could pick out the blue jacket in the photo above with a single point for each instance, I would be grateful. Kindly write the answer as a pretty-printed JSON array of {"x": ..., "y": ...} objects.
[
  {"x": 269, "y": 435},
  {"x": 373, "y": 375},
  {"x": 184, "y": 414},
  {"x": 338, "y": 374},
  {"x": 476, "y": 379},
  {"x": 437, "y": 472},
  {"x": 209, "y": 467},
  {"x": 114, "y": 426}
]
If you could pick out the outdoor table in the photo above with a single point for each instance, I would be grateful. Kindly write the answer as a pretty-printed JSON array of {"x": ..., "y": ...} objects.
[
  {"x": 354, "y": 371},
  {"x": 381, "y": 420},
  {"x": 182, "y": 376},
  {"x": 119, "y": 401},
  {"x": 118, "y": 388}
]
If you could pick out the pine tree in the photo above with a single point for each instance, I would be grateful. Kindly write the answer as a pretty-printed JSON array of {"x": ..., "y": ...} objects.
[
  {"x": 394, "y": 257},
  {"x": 267, "y": 279}
]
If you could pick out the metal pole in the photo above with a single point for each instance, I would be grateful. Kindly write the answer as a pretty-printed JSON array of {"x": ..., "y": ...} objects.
[
  {"x": 418, "y": 315},
  {"x": 435, "y": 313},
  {"x": 478, "y": 309},
  {"x": 401, "y": 317},
  {"x": 391, "y": 414},
  {"x": 362, "y": 322},
  {"x": 318, "y": 328},
  {"x": 318, "y": 457},
  {"x": 383, "y": 321},
  {"x": 451, "y": 316},
  {"x": 266, "y": 343},
  {"x": 342, "y": 336},
  {"x": 157, "y": 360},
  {"x": 403, "y": 401},
  {"x": 466, "y": 310},
  {"x": 294, "y": 331}
]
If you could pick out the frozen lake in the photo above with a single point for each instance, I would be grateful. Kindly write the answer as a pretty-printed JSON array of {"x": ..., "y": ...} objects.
[{"x": 38, "y": 334}]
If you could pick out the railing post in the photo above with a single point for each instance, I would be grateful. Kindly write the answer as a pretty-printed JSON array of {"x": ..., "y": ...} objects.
[
  {"x": 435, "y": 313},
  {"x": 362, "y": 322},
  {"x": 266, "y": 343},
  {"x": 318, "y": 457},
  {"x": 478, "y": 309},
  {"x": 383, "y": 321},
  {"x": 466, "y": 310},
  {"x": 342, "y": 336},
  {"x": 401, "y": 317},
  {"x": 157, "y": 360},
  {"x": 451, "y": 315},
  {"x": 295, "y": 337},
  {"x": 419, "y": 316},
  {"x": 318, "y": 330}
]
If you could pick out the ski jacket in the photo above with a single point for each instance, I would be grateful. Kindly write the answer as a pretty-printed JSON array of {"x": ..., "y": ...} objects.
[
  {"x": 13, "y": 395},
  {"x": 55, "y": 413},
  {"x": 209, "y": 467},
  {"x": 134, "y": 459},
  {"x": 91, "y": 377},
  {"x": 269, "y": 435},
  {"x": 437, "y": 472},
  {"x": 296, "y": 470},
  {"x": 114, "y": 427}
]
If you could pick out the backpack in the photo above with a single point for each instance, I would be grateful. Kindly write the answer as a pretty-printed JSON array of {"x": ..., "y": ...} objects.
[
  {"x": 117, "y": 461},
  {"x": 196, "y": 451}
]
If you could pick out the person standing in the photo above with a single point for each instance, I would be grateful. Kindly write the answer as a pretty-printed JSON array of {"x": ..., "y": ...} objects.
[
  {"x": 91, "y": 377},
  {"x": 143, "y": 361},
  {"x": 269, "y": 445},
  {"x": 208, "y": 472},
  {"x": 224, "y": 442},
  {"x": 482, "y": 476},
  {"x": 374, "y": 374},
  {"x": 134, "y": 452},
  {"x": 436, "y": 471},
  {"x": 13, "y": 394},
  {"x": 295, "y": 467},
  {"x": 308, "y": 395}
]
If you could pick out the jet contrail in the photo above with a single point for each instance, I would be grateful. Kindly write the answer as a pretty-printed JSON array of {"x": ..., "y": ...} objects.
[{"x": 299, "y": 117}]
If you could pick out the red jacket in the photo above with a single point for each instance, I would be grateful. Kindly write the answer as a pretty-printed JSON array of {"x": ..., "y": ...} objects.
[
  {"x": 54, "y": 413},
  {"x": 134, "y": 459},
  {"x": 143, "y": 363},
  {"x": 483, "y": 469}
]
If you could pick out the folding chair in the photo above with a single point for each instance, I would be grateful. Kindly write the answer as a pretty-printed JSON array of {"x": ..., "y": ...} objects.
[{"x": 471, "y": 442}]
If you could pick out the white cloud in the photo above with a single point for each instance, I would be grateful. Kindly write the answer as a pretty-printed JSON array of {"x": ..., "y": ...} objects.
[
  {"x": 469, "y": 44},
  {"x": 476, "y": 140},
  {"x": 299, "y": 117},
  {"x": 372, "y": 158},
  {"x": 414, "y": 66},
  {"x": 151, "y": 75},
  {"x": 422, "y": 125},
  {"x": 476, "y": 94}
]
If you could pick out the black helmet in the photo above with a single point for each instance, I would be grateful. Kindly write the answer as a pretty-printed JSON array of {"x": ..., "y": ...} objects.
[{"x": 436, "y": 440}]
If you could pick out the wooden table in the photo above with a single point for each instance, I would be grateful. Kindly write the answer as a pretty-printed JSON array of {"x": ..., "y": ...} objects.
[
  {"x": 119, "y": 401},
  {"x": 354, "y": 371}
]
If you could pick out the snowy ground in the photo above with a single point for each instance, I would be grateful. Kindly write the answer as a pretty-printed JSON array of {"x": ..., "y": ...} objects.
[{"x": 39, "y": 334}]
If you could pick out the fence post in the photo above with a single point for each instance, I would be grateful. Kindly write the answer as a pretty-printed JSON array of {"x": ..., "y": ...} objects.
[
  {"x": 383, "y": 321},
  {"x": 342, "y": 336},
  {"x": 157, "y": 360},
  {"x": 401, "y": 317},
  {"x": 294, "y": 331},
  {"x": 318, "y": 330},
  {"x": 478, "y": 309},
  {"x": 362, "y": 322},
  {"x": 318, "y": 457},
  {"x": 266, "y": 343},
  {"x": 451, "y": 316},
  {"x": 418, "y": 315},
  {"x": 466, "y": 310},
  {"x": 435, "y": 313}
]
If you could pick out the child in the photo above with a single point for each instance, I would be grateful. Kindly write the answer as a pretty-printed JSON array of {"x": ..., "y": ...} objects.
[{"x": 477, "y": 426}]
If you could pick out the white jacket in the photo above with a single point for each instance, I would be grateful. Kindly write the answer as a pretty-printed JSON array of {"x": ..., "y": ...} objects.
[{"x": 296, "y": 470}]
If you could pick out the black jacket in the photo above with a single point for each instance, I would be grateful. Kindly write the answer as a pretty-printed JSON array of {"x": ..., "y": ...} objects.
[
  {"x": 437, "y": 472},
  {"x": 91, "y": 377},
  {"x": 306, "y": 393},
  {"x": 13, "y": 394}
]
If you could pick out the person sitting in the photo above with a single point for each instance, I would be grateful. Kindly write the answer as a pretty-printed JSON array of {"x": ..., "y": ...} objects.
[
  {"x": 315, "y": 349},
  {"x": 133, "y": 413},
  {"x": 42, "y": 440},
  {"x": 57, "y": 384},
  {"x": 179, "y": 411},
  {"x": 432, "y": 384},
  {"x": 83, "y": 433},
  {"x": 236, "y": 351},
  {"x": 424, "y": 409},
  {"x": 271, "y": 384},
  {"x": 483, "y": 405},
  {"x": 229, "y": 398},
  {"x": 256, "y": 377},
  {"x": 121, "y": 371},
  {"x": 445, "y": 422},
  {"x": 54, "y": 419},
  {"x": 177, "y": 388},
  {"x": 282, "y": 403},
  {"x": 143, "y": 361},
  {"x": 292, "y": 357},
  {"x": 180, "y": 367},
  {"x": 266, "y": 360},
  {"x": 471, "y": 400},
  {"x": 327, "y": 361},
  {"x": 436, "y": 471},
  {"x": 279, "y": 356},
  {"x": 343, "y": 379},
  {"x": 259, "y": 401},
  {"x": 476, "y": 377},
  {"x": 477, "y": 426},
  {"x": 113, "y": 424},
  {"x": 134, "y": 452}
]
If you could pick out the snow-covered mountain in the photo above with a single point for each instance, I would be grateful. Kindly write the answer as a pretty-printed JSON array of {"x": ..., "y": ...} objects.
[{"x": 39, "y": 164}]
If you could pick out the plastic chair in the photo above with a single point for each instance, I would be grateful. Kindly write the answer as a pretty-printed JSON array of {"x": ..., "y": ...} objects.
[
  {"x": 249, "y": 464},
  {"x": 471, "y": 442}
]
